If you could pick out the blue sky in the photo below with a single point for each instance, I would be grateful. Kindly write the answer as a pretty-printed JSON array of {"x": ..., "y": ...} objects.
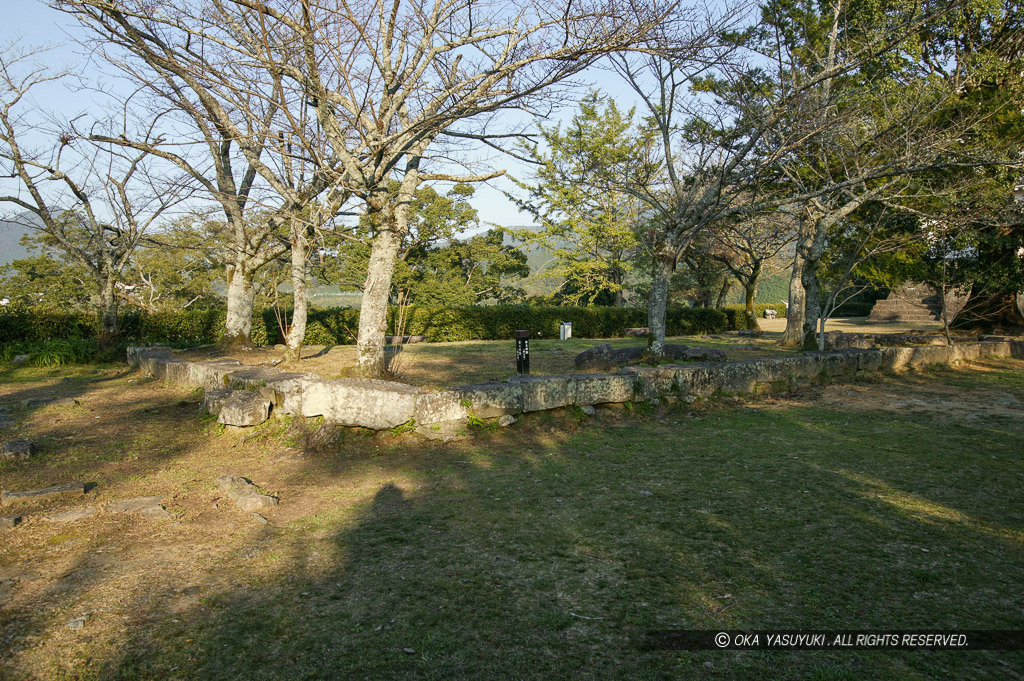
[{"x": 35, "y": 24}]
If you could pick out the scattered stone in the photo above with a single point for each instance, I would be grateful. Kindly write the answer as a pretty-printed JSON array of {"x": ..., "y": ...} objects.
[
  {"x": 603, "y": 357},
  {"x": 245, "y": 494},
  {"x": 77, "y": 623},
  {"x": 749, "y": 333},
  {"x": 507, "y": 420},
  {"x": 655, "y": 402},
  {"x": 155, "y": 513},
  {"x": 446, "y": 431},
  {"x": 690, "y": 399},
  {"x": 403, "y": 340},
  {"x": 6, "y": 423},
  {"x": 9, "y": 521},
  {"x": 11, "y": 497},
  {"x": 17, "y": 449},
  {"x": 280, "y": 346},
  {"x": 136, "y": 504},
  {"x": 244, "y": 408},
  {"x": 147, "y": 507},
  {"x": 50, "y": 402},
  {"x": 213, "y": 400},
  {"x": 597, "y": 357},
  {"x": 325, "y": 437},
  {"x": 408, "y": 651},
  {"x": 588, "y": 410},
  {"x": 694, "y": 354},
  {"x": 19, "y": 360},
  {"x": 72, "y": 515},
  {"x": 260, "y": 519}
]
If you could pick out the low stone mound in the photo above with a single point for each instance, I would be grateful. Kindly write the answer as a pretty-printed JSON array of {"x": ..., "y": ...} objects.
[
  {"x": 838, "y": 340},
  {"x": 19, "y": 450},
  {"x": 603, "y": 357},
  {"x": 244, "y": 408},
  {"x": 245, "y": 494}
]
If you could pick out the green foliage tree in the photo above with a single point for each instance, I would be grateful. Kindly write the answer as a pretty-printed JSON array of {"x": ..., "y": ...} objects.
[
  {"x": 589, "y": 226},
  {"x": 434, "y": 266},
  {"x": 465, "y": 272},
  {"x": 46, "y": 280},
  {"x": 180, "y": 266}
]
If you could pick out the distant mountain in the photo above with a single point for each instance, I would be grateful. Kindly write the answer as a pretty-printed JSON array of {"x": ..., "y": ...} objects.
[{"x": 10, "y": 236}]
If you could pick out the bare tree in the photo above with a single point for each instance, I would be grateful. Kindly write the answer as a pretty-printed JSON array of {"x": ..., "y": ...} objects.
[
  {"x": 727, "y": 125},
  {"x": 247, "y": 141},
  {"x": 391, "y": 83},
  {"x": 748, "y": 247},
  {"x": 93, "y": 204}
]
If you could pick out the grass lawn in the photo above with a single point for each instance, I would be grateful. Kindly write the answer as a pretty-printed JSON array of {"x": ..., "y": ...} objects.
[
  {"x": 438, "y": 365},
  {"x": 542, "y": 551}
]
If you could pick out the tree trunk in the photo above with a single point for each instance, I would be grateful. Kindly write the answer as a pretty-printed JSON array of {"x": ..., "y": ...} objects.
[
  {"x": 723, "y": 293},
  {"x": 750, "y": 293},
  {"x": 812, "y": 306},
  {"x": 373, "y": 315},
  {"x": 617, "y": 280},
  {"x": 107, "y": 316},
  {"x": 297, "y": 332},
  {"x": 238, "y": 325},
  {"x": 794, "y": 335},
  {"x": 661, "y": 276}
]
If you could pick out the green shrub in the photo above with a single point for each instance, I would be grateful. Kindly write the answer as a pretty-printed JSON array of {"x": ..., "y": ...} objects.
[
  {"x": 337, "y": 326},
  {"x": 737, "y": 314},
  {"x": 52, "y": 353}
]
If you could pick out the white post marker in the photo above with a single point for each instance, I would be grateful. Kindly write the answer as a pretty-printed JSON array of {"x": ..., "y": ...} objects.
[{"x": 565, "y": 330}]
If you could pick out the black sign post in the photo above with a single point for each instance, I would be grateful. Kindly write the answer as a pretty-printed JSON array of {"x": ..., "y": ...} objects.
[{"x": 522, "y": 351}]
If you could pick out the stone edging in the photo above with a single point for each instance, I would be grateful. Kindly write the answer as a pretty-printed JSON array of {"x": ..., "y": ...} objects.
[{"x": 380, "y": 405}]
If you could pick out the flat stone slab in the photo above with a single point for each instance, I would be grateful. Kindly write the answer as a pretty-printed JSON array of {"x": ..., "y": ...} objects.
[
  {"x": 72, "y": 515},
  {"x": 245, "y": 494},
  {"x": 380, "y": 405},
  {"x": 50, "y": 402},
  {"x": 213, "y": 400},
  {"x": 136, "y": 504},
  {"x": 244, "y": 408},
  {"x": 9, "y": 521},
  {"x": 17, "y": 449},
  {"x": 11, "y": 497},
  {"x": 395, "y": 340},
  {"x": 445, "y": 432},
  {"x": 147, "y": 507},
  {"x": 366, "y": 403}
]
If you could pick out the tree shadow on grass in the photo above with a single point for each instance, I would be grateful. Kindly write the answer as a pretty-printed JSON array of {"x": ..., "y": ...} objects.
[
  {"x": 550, "y": 559},
  {"x": 537, "y": 555}
]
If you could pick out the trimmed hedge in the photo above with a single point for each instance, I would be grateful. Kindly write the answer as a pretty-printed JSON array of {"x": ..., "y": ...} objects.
[
  {"x": 737, "y": 314},
  {"x": 337, "y": 326}
]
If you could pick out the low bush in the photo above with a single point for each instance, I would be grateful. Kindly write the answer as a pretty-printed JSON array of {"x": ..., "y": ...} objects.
[
  {"x": 337, "y": 326},
  {"x": 54, "y": 352},
  {"x": 737, "y": 314}
]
